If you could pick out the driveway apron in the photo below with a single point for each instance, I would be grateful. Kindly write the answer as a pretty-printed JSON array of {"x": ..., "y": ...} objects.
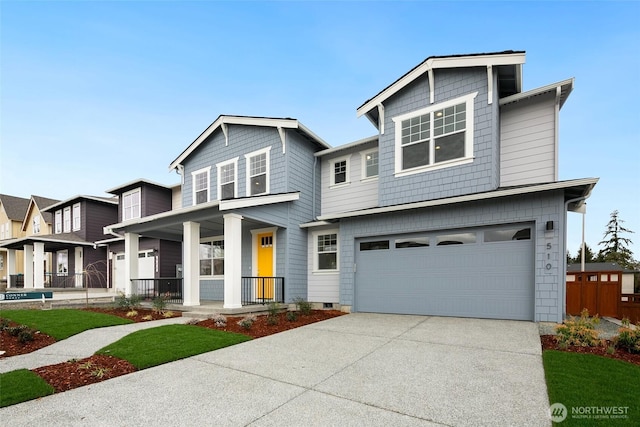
[{"x": 358, "y": 369}]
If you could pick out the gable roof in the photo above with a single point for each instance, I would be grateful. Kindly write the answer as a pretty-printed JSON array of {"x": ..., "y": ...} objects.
[
  {"x": 14, "y": 207},
  {"x": 363, "y": 141},
  {"x": 41, "y": 203},
  {"x": 562, "y": 89},
  {"x": 503, "y": 58},
  {"x": 137, "y": 183},
  {"x": 222, "y": 121}
]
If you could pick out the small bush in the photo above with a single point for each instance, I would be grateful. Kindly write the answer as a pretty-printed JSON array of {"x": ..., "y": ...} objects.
[
  {"x": 272, "y": 320},
  {"x": 292, "y": 316},
  {"x": 25, "y": 336},
  {"x": 159, "y": 304},
  {"x": 580, "y": 331},
  {"x": 147, "y": 317},
  {"x": 247, "y": 321},
  {"x": 303, "y": 306},
  {"x": 132, "y": 313},
  {"x": 86, "y": 365},
  {"x": 628, "y": 338},
  {"x": 167, "y": 314},
  {"x": 128, "y": 303},
  {"x": 219, "y": 320},
  {"x": 100, "y": 372},
  {"x": 4, "y": 324},
  {"x": 16, "y": 331}
]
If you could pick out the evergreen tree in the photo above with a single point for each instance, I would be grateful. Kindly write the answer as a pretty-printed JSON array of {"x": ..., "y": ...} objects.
[
  {"x": 615, "y": 245},
  {"x": 589, "y": 255}
]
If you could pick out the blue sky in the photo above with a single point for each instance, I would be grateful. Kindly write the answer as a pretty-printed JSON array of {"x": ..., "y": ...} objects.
[{"x": 95, "y": 94}]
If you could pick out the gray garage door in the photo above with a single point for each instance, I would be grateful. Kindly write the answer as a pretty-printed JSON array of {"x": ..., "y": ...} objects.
[{"x": 485, "y": 273}]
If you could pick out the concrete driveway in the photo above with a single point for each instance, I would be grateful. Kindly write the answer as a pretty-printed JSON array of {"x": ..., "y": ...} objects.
[{"x": 359, "y": 369}]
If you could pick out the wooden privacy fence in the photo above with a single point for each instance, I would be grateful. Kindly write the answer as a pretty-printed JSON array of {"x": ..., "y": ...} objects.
[{"x": 630, "y": 307}]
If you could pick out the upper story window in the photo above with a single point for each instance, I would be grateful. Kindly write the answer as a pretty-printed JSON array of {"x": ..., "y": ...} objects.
[
  {"x": 370, "y": 164},
  {"x": 339, "y": 171},
  {"x": 434, "y": 137},
  {"x": 131, "y": 204},
  {"x": 36, "y": 224},
  {"x": 227, "y": 179},
  {"x": 258, "y": 172},
  {"x": 76, "y": 217},
  {"x": 66, "y": 219},
  {"x": 201, "y": 186},
  {"x": 58, "y": 222}
]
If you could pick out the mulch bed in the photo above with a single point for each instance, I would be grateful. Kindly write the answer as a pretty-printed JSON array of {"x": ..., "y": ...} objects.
[
  {"x": 144, "y": 314},
  {"x": 549, "y": 343},
  {"x": 13, "y": 347}
]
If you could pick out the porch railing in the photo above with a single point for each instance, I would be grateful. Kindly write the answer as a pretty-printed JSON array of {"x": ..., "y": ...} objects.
[
  {"x": 16, "y": 281},
  {"x": 262, "y": 290},
  {"x": 55, "y": 280},
  {"x": 168, "y": 287}
]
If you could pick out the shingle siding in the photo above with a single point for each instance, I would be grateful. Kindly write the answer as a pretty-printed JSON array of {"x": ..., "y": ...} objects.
[
  {"x": 94, "y": 217},
  {"x": 155, "y": 200}
]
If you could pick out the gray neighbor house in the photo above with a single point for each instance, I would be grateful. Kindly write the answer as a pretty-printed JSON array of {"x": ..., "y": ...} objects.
[{"x": 452, "y": 208}]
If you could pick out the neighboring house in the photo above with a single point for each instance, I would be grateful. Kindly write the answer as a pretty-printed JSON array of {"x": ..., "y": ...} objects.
[
  {"x": 157, "y": 258},
  {"x": 12, "y": 213},
  {"x": 68, "y": 240},
  {"x": 601, "y": 268},
  {"x": 453, "y": 208}
]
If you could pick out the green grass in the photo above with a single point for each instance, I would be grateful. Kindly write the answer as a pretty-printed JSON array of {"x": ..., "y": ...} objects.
[
  {"x": 155, "y": 346},
  {"x": 20, "y": 386},
  {"x": 63, "y": 323},
  {"x": 585, "y": 380}
]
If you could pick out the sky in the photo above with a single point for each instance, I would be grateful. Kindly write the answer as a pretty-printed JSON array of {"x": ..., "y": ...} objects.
[{"x": 95, "y": 94}]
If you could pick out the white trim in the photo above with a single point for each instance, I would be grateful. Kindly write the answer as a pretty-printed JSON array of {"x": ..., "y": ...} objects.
[
  {"x": 347, "y": 171},
  {"x": 315, "y": 224},
  {"x": 211, "y": 276},
  {"x": 74, "y": 226},
  {"x": 381, "y": 118},
  {"x": 314, "y": 237},
  {"x": 565, "y": 85},
  {"x": 435, "y": 63},
  {"x": 490, "y": 84},
  {"x": 468, "y": 99},
  {"x": 363, "y": 161},
  {"x": 129, "y": 193},
  {"x": 66, "y": 214},
  {"x": 254, "y": 248},
  {"x": 57, "y": 222},
  {"x": 347, "y": 146},
  {"x": 466, "y": 198},
  {"x": 247, "y": 202},
  {"x": 283, "y": 139},
  {"x": 225, "y": 131},
  {"x": 193, "y": 184},
  {"x": 432, "y": 88},
  {"x": 138, "y": 181},
  {"x": 266, "y": 151},
  {"x": 219, "y": 167}
]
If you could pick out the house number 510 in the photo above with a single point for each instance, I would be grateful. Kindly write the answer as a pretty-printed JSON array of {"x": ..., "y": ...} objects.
[{"x": 548, "y": 266}]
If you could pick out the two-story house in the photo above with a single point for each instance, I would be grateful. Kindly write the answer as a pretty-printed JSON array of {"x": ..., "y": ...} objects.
[
  {"x": 157, "y": 258},
  {"x": 68, "y": 241},
  {"x": 453, "y": 208},
  {"x": 12, "y": 213}
]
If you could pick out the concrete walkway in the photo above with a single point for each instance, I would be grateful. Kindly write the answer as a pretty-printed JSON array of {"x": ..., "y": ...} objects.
[{"x": 359, "y": 369}]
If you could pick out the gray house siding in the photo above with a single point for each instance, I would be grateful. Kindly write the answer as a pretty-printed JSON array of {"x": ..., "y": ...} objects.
[
  {"x": 537, "y": 209},
  {"x": 476, "y": 177},
  {"x": 323, "y": 286},
  {"x": 95, "y": 216},
  {"x": 170, "y": 255},
  {"x": 155, "y": 200},
  {"x": 95, "y": 264},
  {"x": 527, "y": 142}
]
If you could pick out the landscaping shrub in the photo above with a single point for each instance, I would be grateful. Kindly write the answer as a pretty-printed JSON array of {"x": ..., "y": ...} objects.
[
  {"x": 292, "y": 316},
  {"x": 303, "y": 306},
  {"x": 128, "y": 302},
  {"x": 580, "y": 331},
  {"x": 159, "y": 304},
  {"x": 25, "y": 336},
  {"x": 628, "y": 338},
  {"x": 272, "y": 318},
  {"x": 247, "y": 321},
  {"x": 220, "y": 320}
]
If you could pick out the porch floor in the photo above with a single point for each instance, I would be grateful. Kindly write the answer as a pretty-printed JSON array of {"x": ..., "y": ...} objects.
[{"x": 209, "y": 308}]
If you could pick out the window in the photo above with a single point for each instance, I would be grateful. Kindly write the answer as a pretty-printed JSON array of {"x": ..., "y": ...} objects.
[
  {"x": 439, "y": 135},
  {"x": 1, "y": 262},
  {"x": 66, "y": 219},
  {"x": 63, "y": 262},
  {"x": 76, "y": 217},
  {"x": 369, "y": 164},
  {"x": 456, "y": 239},
  {"x": 227, "y": 179},
  {"x": 36, "y": 224},
  {"x": 339, "y": 171},
  {"x": 327, "y": 252},
  {"x": 507, "y": 234},
  {"x": 58, "y": 222},
  {"x": 413, "y": 242},
  {"x": 212, "y": 258},
  {"x": 258, "y": 172},
  {"x": 201, "y": 186},
  {"x": 131, "y": 204},
  {"x": 374, "y": 246}
]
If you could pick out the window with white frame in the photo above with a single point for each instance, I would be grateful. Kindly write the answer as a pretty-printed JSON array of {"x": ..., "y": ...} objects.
[
  {"x": 76, "y": 217},
  {"x": 212, "y": 257},
  {"x": 439, "y": 135},
  {"x": 36, "y": 224},
  {"x": 62, "y": 258},
  {"x": 66, "y": 219},
  {"x": 326, "y": 251},
  {"x": 58, "y": 222},
  {"x": 131, "y": 204},
  {"x": 370, "y": 164},
  {"x": 201, "y": 186},
  {"x": 258, "y": 172},
  {"x": 339, "y": 171},
  {"x": 227, "y": 179}
]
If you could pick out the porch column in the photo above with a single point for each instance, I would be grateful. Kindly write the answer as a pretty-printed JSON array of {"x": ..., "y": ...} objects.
[
  {"x": 38, "y": 265},
  {"x": 232, "y": 261},
  {"x": 131, "y": 244},
  {"x": 191, "y": 263},
  {"x": 28, "y": 266},
  {"x": 11, "y": 267}
]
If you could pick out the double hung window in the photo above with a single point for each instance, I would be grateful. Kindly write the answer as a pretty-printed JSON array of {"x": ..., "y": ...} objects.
[
  {"x": 228, "y": 179},
  {"x": 131, "y": 204},
  {"x": 212, "y": 258},
  {"x": 200, "y": 186},
  {"x": 258, "y": 172}
]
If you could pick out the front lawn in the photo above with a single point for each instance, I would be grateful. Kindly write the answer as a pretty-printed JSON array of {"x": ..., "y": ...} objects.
[
  {"x": 62, "y": 323},
  {"x": 155, "y": 346},
  {"x": 593, "y": 389},
  {"x": 20, "y": 386}
]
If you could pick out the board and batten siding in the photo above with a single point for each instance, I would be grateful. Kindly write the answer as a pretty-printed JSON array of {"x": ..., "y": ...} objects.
[
  {"x": 528, "y": 142},
  {"x": 359, "y": 193},
  {"x": 324, "y": 286}
]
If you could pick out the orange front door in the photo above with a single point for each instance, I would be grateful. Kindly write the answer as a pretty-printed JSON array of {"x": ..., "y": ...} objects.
[{"x": 265, "y": 265}]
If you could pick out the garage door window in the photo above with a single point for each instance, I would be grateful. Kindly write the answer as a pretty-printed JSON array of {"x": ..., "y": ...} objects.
[
  {"x": 327, "y": 252},
  {"x": 414, "y": 242},
  {"x": 374, "y": 246},
  {"x": 507, "y": 234},
  {"x": 456, "y": 239}
]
